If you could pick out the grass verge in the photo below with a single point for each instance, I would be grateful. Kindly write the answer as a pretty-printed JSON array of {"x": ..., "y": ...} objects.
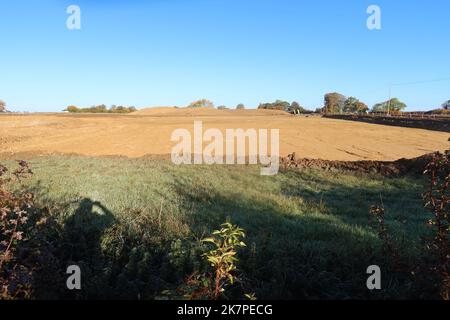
[{"x": 133, "y": 226}]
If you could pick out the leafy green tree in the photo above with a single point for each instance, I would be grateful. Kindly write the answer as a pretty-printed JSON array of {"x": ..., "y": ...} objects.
[
  {"x": 391, "y": 106},
  {"x": 446, "y": 105},
  {"x": 334, "y": 102},
  {"x": 2, "y": 106},
  {"x": 240, "y": 106},
  {"x": 353, "y": 105},
  {"x": 350, "y": 105},
  {"x": 203, "y": 103},
  {"x": 361, "y": 108}
]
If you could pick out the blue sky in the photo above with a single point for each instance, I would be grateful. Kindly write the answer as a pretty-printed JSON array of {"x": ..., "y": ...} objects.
[{"x": 171, "y": 52}]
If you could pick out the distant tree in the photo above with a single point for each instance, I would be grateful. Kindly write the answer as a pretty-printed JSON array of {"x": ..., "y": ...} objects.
[
  {"x": 101, "y": 109},
  {"x": 2, "y": 106},
  {"x": 353, "y": 105},
  {"x": 446, "y": 105},
  {"x": 72, "y": 109},
  {"x": 391, "y": 106},
  {"x": 320, "y": 110},
  {"x": 222, "y": 108},
  {"x": 350, "y": 105},
  {"x": 240, "y": 106},
  {"x": 361, "y": 107},
  {"x": 304, "y": 111},
  {"x": 334, "y": 102},
  {"x": 116, "y": 109},
  {"x": 277, "y": 105},
  {"x": 282, "y": 105},
  {"x": 295, "y": 106},
  {"x": 203, "y": 103}
]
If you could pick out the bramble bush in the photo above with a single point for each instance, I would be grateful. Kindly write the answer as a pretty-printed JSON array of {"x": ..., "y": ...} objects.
[
  {"x": 432, "y": 272},
  {"x": 14, "y": 210},
  {"x": 437, "y": 201}
]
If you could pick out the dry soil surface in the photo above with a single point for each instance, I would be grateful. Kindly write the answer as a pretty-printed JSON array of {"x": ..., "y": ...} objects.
[{"x": 148, "y": 132}]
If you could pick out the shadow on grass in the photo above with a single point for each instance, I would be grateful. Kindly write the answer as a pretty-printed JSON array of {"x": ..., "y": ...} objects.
[
  {"x": 307, "y": 241},
  {"x": 402, "y": 198},
  {"x": 118, "y": 260},
  {"x": 77, "y": 241},
  {"x": 310, "y": 252},
  {"x": 83, "y": 230}
]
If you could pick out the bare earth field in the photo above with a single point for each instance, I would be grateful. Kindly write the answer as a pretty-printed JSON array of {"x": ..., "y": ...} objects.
[{"x": 147, "y": 132}]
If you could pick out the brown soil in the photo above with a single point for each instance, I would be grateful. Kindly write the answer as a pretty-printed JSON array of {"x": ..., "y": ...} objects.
[
  {"x": 386, "y": 168},
  {"x": 147, "y": 132}
]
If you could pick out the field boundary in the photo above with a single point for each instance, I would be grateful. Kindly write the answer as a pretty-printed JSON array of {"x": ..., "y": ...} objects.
[
  {"x": 415, "y": 166},
  {"x": 400, "y": 167},
  {"x": 429, "y": 123}
]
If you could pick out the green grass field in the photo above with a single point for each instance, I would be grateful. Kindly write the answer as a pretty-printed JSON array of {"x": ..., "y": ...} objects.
[{"x": 134, "y": 225}]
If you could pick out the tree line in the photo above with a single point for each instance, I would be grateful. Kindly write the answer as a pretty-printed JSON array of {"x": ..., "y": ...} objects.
[
  {"x": 334, "y": 103},
  {"x": 337, "y": 103},
  {"x": 100, "y": 109},
  {"x": 205, "y": 103}
]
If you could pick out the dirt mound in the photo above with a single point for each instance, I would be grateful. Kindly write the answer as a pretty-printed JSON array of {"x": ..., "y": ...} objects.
[
  {"x": 194, "y": 112},
  {"x": 386, "y": 168}
]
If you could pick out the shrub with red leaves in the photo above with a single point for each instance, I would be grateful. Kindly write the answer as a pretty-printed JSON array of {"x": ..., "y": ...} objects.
[{"x": 14, "y": 207}]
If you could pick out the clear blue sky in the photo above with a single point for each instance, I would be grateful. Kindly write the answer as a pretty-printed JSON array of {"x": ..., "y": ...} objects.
[{"x": 171, "y": 52}]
